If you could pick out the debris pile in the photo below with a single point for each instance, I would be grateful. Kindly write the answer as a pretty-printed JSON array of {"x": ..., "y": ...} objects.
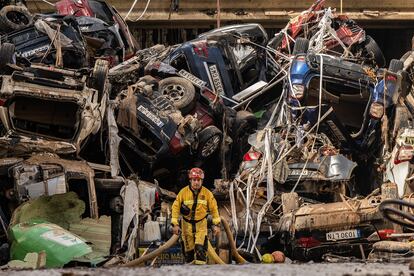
[{"x": 304, "y": 136}]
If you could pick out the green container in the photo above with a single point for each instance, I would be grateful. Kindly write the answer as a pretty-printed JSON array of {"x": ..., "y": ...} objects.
[{"x": 60, "y": 245}]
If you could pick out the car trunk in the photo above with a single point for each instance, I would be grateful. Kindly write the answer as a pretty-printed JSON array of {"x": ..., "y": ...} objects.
[{"x": 46, "y": 117}]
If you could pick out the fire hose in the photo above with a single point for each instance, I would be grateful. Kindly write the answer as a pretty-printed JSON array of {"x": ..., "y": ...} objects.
[
  {"x": 210, "y": 250},
  {"x": 391, "y": 211}
]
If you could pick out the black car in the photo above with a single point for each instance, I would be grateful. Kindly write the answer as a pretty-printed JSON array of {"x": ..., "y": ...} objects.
[{"x": 39, "y": 43}]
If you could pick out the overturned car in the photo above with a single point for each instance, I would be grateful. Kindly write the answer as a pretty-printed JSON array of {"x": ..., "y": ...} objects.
[{"x": 62, "y": 106}]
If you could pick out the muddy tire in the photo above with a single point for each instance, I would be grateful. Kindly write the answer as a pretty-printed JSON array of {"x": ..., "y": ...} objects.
[
  {"x": 395, "y": 65},
  {"x": 14, "y": 18},
  {"x": 209, "y": 140},
  {"x": 7, "y": 54},
  {"x": 99, "y": 77},
  {"x": 301, "y": 46},
  {"x": 180, "y": 92},
  {"x": 374, "y": 51}
]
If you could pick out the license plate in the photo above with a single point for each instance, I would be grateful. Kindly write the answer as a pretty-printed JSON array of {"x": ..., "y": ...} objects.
[
  {"x": 343, "y": 235},
  {"x": 300, "y": 172},
  {"x": 188, "y": 76},
  {"x": 150, "y": 116}
]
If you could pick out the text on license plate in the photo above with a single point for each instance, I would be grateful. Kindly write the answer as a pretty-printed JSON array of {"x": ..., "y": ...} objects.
[{"x": 343, "y": 235}]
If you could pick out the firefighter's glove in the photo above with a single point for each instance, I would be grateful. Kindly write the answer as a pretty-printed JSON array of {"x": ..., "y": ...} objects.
[
  {"x": 216, "y": 230},
  {"x": 176, "y": 230}
]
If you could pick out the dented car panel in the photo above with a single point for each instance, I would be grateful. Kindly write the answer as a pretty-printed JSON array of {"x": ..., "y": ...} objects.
[
  {"x": 66, "y": 110},
  {"x": 47, "y": 174}
]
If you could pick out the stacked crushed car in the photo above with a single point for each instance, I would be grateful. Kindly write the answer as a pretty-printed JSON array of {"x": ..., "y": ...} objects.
[{"x": 304, "y": 136}]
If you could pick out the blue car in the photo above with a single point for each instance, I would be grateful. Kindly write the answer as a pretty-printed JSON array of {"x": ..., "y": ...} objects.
[
  {"x": 230, "y": 60},
  {"x": 359, "y": 97}
]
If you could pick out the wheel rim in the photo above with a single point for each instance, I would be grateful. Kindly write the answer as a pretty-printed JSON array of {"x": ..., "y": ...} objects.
[
  {"x": 17, "y": 18},
  {"x": 173, "y": 92},
  {"x": 210, "y": 146}
]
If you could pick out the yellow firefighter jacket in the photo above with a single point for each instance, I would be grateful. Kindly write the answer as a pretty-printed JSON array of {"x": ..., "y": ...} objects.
[{"x": 205, "y": 203}]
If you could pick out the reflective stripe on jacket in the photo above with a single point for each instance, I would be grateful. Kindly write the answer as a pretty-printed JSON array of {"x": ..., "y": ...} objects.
[{"x": 206, "y": 203}]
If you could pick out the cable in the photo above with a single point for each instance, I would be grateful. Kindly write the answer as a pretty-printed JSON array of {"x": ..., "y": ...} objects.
[
  {"x": 144, "y": 11},
  {"x": 130, "y": 9},
  {"x": 48, "y": 3}
]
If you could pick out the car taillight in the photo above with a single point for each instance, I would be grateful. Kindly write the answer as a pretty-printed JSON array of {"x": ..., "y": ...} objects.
[
  {"x": 405, "y": 153},
  {"x": 252, "y": 155},
  {"x": 391, "y": 78},
  {"x": 157, "y": 197},
  {"x": 297, "y": 91},
  {"x": 376, "y": 110},
  {"x": 308, "y": 242},
  {"x": 384, "y": 234}
]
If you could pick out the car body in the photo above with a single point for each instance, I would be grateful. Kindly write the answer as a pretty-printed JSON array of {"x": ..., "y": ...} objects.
[
  {"x": 57, "y": 106},
  {"x": 345, "y": 228},
  {"x": 342, "y": 35},
  {"x": 229, "y": 60},
  {"x": 34, "y": 44},
  {"x": 103, "y": 11}
]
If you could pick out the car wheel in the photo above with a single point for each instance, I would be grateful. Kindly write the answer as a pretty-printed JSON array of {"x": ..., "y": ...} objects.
[
  {"x": 301, "y": 46},
  {"x": 14, "y": 18},
  {"x": 209, "y": 140},
  {"x": 7, "y": 54},
  {"x": 395, "y": 65},
  {"x": 180, "y": 92},
  {"x": 374, "y": 51},
  {"x": 99, "y": 77}
]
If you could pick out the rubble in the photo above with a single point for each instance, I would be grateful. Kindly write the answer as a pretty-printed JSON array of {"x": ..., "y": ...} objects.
[{"x": 307, "y": 137}]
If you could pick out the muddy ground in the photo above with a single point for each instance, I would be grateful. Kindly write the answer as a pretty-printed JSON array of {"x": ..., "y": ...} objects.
[{"x": 308, "y": 269}]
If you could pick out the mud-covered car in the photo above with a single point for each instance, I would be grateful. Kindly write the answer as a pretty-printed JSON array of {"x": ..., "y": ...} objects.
[
  {"x": 230, "y": 60},
  {"x": 49, "y": 40},
  {"x": 347, "y": 228},
  {"x": 156, "y": 132},
  {"x": 60, "y": 107},
  {"x": 354, "y": 94},
  {"x": 331, "y": 33}
]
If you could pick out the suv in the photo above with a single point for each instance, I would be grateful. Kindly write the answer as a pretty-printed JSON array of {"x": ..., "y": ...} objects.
[{"x": 230, "y": 60}]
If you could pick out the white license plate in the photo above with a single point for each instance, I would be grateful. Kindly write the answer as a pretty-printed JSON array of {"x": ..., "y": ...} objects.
[
  {"x": 300, "y": 172},
  {"x": 343, "y": 235},
  {"x": 196, "y": 81}
]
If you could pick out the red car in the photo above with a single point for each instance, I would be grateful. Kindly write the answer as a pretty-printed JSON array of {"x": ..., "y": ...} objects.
[{"x": 347, "y": 31}]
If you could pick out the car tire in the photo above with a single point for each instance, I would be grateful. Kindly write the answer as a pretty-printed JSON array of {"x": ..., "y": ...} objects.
[
  {"x": 99, "y": 77},
  {"x": 180, "y": 92},
  {"x": 301, "y": 46},
  {"x": 209, "y": 140},
  {"x": 14, "y": 17},
  {"x": 374, "y": 51},
  {"x": 7, "y": 54},
  {"x": 395, "y": 65}
]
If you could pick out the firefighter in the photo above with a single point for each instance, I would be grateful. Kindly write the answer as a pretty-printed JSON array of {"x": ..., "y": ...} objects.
[{"x": 194, "y": 202}]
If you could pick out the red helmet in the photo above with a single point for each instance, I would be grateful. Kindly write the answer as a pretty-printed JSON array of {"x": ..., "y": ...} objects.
[{"x": 196, "y": 173}]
